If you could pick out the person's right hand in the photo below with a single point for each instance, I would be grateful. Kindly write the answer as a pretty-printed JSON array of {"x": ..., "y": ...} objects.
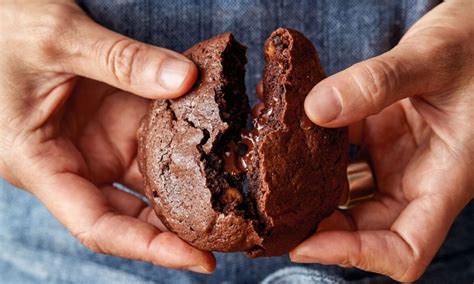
[{"x": 66, "y": 139}]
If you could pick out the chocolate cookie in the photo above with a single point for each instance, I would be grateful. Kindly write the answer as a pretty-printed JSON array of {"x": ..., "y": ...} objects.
[
  {"x": 221, "y": 187},
  {"x": 297, "y": 170}
]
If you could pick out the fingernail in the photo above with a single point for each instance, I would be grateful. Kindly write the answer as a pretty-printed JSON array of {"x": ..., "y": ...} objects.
[
  {"x": 199, "y": 269},
  {"x": 345, "y": 265},
  {"x": 299, "y": 258},
  {"x": 173, "y": 73},
  {"x": 323, "y": 104}
]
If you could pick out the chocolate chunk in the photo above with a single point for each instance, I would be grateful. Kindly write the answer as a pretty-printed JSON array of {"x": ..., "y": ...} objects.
[
  {"x": 232, "y": 159},
  {"x": 232, "y": 195}
]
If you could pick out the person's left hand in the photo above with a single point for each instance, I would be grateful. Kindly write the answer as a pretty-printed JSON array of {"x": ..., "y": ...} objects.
[{"x": 417, "y": 102}]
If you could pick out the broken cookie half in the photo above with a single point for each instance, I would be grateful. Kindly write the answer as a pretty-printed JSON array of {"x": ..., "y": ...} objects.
[{"x": 222, "y": 187}]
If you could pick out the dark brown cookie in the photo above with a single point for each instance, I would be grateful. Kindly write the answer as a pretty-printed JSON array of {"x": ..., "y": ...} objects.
[
  {"x": 297, "y": 170},
  {"x": 195, "y": 161},
  {"x": 181, "y": 143}
]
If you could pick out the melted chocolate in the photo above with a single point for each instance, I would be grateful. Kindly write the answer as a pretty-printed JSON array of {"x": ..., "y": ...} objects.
[
  {"x": 237, "y": 158},
  {"x": 233, "y": 163},
  {"x": 232, "y": 195},
  {"x": 249, "y": 139}
]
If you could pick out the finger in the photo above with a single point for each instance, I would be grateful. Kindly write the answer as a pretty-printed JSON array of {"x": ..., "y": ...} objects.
[
  {"x": 403, "y": 252},
  {"x": 133, "y": 178},
  {"x": 378, "y": 213},
  {"x": 92, "y": 51},
  {"x": 84, "y": 210},
  {"x": 118, "y": 119},
  {"x": 148, "y": 215},
  {"x": 123, "y": 202},
  {"x": 338, "y": 220},
  {"x": 369, "y": 86},
  {"x": 127, "y": 204},
  {"x": 375, "y": 251}
]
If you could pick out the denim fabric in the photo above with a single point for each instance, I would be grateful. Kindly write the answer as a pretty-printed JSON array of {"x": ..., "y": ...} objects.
[
  {"x": 301, "y": 275},
  {"x": 35, "y": 248},
  {"x": 344, "y": 32}
]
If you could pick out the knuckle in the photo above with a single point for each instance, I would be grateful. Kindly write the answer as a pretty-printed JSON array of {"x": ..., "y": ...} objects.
[
  {"x": 356, "y": 259},
  {"x": 122, "y": 57},
  {"x": 166, "y": 239},
  {"x": 443, "y": 47},
  {"x": 3, "y": 166},
  {"x": 375, "y": 79},
  {"x": 410, "y": 275},
  {"x": 91, "y": 237},
  {"x": 5, "y": 171},
  {"x": 88, "y": 241},
  {"x": 409, "y": 278},
  {"x": 448, "y": 55},
  {"x": 9, "y": 156},
  {"x": 159, "y": 247},
  {"x": 50, "y": 27},
  {"x": 52, "y": 30},
  {"x": 415, "y": 266}
]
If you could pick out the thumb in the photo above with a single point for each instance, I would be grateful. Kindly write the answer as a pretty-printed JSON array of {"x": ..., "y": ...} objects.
[
  {"x": 152, "y": 72},
  {"x": 368, "y": 87}
]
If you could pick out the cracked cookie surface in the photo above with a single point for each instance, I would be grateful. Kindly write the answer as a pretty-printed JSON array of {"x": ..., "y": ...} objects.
[
  {"x": 266, "y": 198},
  {"x": 181, "y": 144}
]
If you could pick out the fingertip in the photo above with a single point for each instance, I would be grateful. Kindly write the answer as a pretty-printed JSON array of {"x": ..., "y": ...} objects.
[
  {"x": 176, "y": 76},
  {"x": 302, "y": 254},
  {"x": 199, "y": 269},
  {"x": 173, "y": 252},
  {"x": 298, "y": 258},
  {"x": 192, "y": 77},
  {"x": 209, "y": 266},
  {"x": 323, "y": 105},
  {"x": 325, "y": 247},
  {"x": 205, "y": 267}
]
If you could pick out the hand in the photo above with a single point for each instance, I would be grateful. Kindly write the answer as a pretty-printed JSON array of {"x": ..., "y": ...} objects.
[
  {"x": 66, "y": 139},
  {"x": 418, "y": 101}
]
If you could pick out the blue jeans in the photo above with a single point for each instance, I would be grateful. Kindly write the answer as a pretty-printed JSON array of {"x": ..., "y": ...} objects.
[{"x": 35, "y": 248}]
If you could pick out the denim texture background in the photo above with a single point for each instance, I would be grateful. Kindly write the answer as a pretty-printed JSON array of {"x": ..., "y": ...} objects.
[{"x": 35, "y": 248}]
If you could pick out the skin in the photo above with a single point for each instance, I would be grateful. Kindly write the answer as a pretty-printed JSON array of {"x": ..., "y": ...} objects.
[
  {"x": 69, "y": 113},
  {"x": 68, "y": 120},
  {"x": 416, "y": 103}
]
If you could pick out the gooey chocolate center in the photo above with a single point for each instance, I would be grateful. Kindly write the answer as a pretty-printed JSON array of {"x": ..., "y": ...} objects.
[{"x": 237, "y": 156}]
